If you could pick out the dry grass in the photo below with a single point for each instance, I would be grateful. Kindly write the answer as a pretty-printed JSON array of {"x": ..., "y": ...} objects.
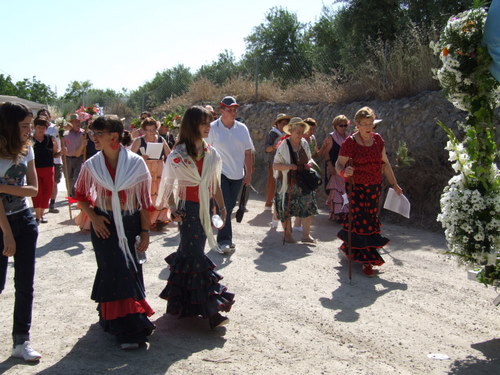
[{"x": 403, "y": 68}]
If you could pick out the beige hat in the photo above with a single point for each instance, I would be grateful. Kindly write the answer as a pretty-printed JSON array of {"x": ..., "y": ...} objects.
[
  {"x": 280, "y": 117},
  {"x": 294, "y": 121},
  {"x": 73, "y": 116}
]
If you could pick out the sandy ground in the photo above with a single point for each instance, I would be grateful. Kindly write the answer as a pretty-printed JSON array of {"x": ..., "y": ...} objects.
[{"x": 296, "y": 311}]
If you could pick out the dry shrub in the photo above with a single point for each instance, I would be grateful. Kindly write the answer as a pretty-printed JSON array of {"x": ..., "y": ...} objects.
[
  {"x": 119, "y": 108},
  {"x": 270, "y": 91},
  {"x": 242, "y": 89},
  {"x": 202, "y": 90},
  {"x": 398, "y": 69},
  {"x": 321, "y": 88},
  {"x": 391, "y": 70}
]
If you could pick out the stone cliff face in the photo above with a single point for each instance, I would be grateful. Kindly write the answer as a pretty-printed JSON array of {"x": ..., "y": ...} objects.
[{"x": 410, "y": 120}]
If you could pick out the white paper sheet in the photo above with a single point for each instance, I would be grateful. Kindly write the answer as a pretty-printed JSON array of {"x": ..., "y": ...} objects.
[
  {"x": 153, "y": 150},
  {"x": 345, "y": 199},
  {"x": 397, "y": 203}
]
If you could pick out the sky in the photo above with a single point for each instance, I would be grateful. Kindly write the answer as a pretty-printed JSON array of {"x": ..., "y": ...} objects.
[{"x": 120, "y": 44}]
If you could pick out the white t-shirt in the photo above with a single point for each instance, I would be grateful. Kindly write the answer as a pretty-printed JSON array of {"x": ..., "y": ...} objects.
[
  {"x": 231, "y": 144},
  {"x": 15, "y": 174},
  {"x": 54, "y": 132}
]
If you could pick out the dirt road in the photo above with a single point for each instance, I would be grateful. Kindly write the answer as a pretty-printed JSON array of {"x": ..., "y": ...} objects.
[{"x": 296, "y": 311}]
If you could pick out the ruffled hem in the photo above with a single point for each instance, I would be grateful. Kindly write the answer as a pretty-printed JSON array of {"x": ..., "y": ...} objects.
[
  {"x": 118, "y": 309},
  {"x": 132, "y": 328},
  {"x": 364, "y": 247},
  {"x": 193, "y": 287}
]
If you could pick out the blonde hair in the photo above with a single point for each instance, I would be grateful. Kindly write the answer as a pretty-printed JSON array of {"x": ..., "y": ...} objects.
[
  {"x": 340, "y": 119},
  {"x": 365, "y": 112}
]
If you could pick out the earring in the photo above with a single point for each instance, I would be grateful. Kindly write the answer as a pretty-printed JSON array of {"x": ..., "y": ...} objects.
[{"x": 115, "y": 145}]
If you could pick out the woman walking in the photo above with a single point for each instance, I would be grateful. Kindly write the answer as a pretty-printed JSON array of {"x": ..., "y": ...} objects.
[
  {"x": 190, "y": 180},
  {"x": 113, "y": 190},
  {"x": 366, "y": 149},
  {"x": 335, "y": 184},
  {"x": 45, "y": 147},
  {"x": 150, "y": 128},
  {"x": 19, "y": 231},
  {"x": 294, "y": 154}
]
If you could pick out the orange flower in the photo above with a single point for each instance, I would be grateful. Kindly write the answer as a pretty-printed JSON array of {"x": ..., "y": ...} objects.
[{"x": 445, "y": 51}]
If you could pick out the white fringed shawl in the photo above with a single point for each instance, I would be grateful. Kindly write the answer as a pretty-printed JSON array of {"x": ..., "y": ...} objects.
[
  {"x": 132, "y": 177},
  {"x": 180, "y": 171},
  {"x": 283, "y": 157}
]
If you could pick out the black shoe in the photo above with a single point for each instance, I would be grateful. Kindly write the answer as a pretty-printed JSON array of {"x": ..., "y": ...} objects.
[
  {"x": 217, "y": 320},
  {"x": 43, "y": 220},
  {"x": 53, "y": 210}
]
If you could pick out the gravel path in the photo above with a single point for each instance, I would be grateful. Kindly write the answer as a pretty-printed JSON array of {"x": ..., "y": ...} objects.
[{"x": 296, "y": 311}]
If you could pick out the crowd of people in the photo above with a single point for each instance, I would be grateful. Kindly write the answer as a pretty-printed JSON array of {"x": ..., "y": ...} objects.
[{"x": 127, "y": 183}]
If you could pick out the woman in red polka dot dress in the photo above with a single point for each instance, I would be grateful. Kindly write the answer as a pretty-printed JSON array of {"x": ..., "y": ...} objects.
[{"x": 363, "y": 157}]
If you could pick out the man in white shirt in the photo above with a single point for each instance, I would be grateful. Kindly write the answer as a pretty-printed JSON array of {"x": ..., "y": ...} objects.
[{"x": 232, "y": 140}]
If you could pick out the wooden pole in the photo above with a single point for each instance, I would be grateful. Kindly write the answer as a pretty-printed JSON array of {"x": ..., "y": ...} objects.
[
  {"x": 68, "y": 192},
  {"x": 349, "y": 226}
]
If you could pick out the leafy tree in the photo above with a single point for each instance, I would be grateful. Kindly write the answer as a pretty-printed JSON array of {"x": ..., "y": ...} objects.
[
  {"x": 76, "y": 91},
  {"x": 6, "y": 86},
  {"x": 35, "y": 91},
  {"x": 170, "y": 82},
  {"x": 326, "y": 42},
  {"x": 221, "y": 70},
  {"x": 433, "y": 13},
  {"x": 281, "y": 46}
]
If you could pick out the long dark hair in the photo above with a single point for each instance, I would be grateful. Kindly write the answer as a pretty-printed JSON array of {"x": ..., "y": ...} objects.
[
  {"x": 189, "y": 131},
  {"x": 11, "y": 145}
]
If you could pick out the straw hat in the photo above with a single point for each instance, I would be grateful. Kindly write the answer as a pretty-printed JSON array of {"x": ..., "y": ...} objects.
[
  {"x": 280, "y": 117},
  {"x": 294, "y": 121}
]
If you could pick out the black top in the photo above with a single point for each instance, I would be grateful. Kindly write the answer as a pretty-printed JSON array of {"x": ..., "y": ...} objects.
[
  {"x": 169, "y": 138},
  {"x": 145, "y": 145},
  {"x": 334, "y": 151},
  {"x": 90, "y": 150},
  {"x": 44, "y": 152}
]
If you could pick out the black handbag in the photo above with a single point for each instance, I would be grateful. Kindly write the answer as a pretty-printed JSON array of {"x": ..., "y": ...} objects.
[{"x": 308, "y": 179}]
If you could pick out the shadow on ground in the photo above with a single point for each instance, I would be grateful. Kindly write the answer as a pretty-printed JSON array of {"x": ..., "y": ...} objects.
[
  {"x": 173, "y": 340},
  {"x": 358, "y": 293},
  {"x": 475, "y": 366}
]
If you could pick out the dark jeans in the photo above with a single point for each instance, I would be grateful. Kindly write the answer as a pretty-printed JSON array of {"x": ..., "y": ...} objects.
[
  {"x": 25, "y": 233},
  {"x": 230, "y": 190}
]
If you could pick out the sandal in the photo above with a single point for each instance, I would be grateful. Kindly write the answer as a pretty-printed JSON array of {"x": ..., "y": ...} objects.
[
  {"x": 289, "y": 239},
  {"x": 309, "y": 239}
]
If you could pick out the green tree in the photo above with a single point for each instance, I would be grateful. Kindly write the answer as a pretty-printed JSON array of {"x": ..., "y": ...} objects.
[
  {"x": 76, "y": 91},
  {"x": 433, "y": 13},
  {"x": 326, "y": 42},
  {"x": 35, "y": 91},
  {"x": 221, "y": 70},
  {"x": 280, "y": 46},
  {"x": 7, "y": 87},
  {"x": 170, "y": 82}
]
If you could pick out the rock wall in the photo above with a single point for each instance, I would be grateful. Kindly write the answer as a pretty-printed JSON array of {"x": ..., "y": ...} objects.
[{"x": 412, "y": 120}]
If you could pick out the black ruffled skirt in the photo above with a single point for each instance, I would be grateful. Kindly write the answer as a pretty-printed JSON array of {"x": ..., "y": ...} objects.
[
  {"x": 119, "y": 285},
  {"x": 365, "y": 237},
  {"x": 193, "y": 287}
]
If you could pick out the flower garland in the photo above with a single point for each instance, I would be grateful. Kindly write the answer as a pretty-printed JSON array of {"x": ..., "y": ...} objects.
[
  {"x": 172, "y": 120},
  {"x": 465, "y": 60},
  {"x": 470, "y": 204},
  {"x": 87, "y": 113}
]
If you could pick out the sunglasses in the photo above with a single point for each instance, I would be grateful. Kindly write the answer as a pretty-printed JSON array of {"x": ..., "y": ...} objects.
[{"x": 343, "y": 126}]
